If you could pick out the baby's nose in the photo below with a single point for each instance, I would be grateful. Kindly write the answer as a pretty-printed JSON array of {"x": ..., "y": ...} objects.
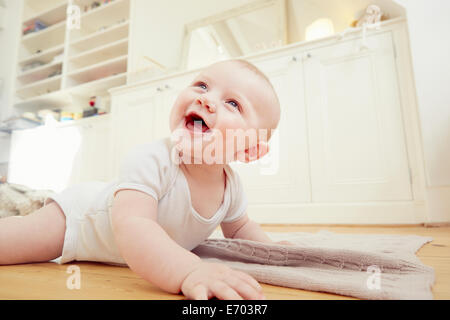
[{"x": 207, "y": 104}]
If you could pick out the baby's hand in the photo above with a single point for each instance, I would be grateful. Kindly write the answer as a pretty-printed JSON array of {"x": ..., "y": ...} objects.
[{"x": 217, "y": 280}]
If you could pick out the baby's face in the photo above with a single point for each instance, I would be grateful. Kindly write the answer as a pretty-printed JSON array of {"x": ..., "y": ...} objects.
[{"x": 223, "y": 98}]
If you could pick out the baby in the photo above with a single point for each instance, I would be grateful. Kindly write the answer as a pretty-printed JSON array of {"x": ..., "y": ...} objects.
[{"x": 171, "y": 194}]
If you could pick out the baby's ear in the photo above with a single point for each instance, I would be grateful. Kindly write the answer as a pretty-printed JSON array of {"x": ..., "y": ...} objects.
[{"x": 256, "y": 152}]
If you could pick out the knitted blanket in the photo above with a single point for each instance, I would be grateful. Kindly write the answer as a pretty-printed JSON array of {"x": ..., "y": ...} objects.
[
  {"x": 364, "y": 266},
  {"x": 16, "y": 199}
]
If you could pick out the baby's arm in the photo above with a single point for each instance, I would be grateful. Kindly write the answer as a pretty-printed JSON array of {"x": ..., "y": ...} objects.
[
  {"x": 153, "y": 255},
  {"x": 244, "y": 228}
]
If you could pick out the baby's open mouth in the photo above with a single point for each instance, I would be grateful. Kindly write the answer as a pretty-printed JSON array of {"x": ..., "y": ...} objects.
[{"x": 193, "y": 120}]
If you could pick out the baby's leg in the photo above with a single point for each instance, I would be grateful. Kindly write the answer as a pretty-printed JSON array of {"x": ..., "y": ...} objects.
[{"x": 36, "y": 237}]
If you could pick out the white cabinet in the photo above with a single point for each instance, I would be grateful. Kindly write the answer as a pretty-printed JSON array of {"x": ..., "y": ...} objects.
[
  {"x": 141, "y": 115},
  {"x": 95, "y": 149},
  {"x": 282, "y": 176},
  {"x": 355, "y": 129},
  {"x": 344, "y": 148},
  {"x": 132, "y": 124}
]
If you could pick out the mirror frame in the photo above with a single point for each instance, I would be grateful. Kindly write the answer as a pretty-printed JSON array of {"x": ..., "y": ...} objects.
[{"x": 279, "y": 5}]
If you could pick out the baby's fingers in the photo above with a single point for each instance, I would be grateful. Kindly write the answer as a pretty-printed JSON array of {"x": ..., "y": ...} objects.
[
  {"x": 223, "y": 291},
  {"x": 199, "y": 292},
  {"x": 250, "y": 280},
  {"x": 244, "y": 289}
]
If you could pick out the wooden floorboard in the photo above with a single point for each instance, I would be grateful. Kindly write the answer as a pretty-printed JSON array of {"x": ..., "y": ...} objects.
[{"x": 99, "y": 281}]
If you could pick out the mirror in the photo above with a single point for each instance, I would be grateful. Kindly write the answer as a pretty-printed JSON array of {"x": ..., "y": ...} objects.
[{"x": 245, "y": 30}]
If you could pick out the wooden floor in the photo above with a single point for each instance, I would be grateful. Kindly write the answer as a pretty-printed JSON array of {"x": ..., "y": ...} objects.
[{"x": 98, "y": 281}]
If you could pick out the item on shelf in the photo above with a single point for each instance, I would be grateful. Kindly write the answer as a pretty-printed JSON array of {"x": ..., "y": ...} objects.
[
  {"x": 39, "y": 25},
  {"x": 90, "y": 112},
  {"x": 31, "y": 116},
  {"x": 28, "y": 29},
  {"x": 92, "y": 101},
  {"x": 34, "y": 27},
  {"x": 372, "y": 15},
  {"x": 44, "y": 113},
  {"x": 58, "y": 57},
  {"x": 95, "y": 4},
  {"x": 103, "y": 28},
  {"x": 32, "y": 65},
  {"x": 77, "y": 115},
  {"x": 66, "y": 116},
  {"x": 54, "y": 73}
]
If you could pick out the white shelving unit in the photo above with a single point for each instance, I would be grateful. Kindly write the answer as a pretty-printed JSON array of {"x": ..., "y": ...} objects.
[{"x": 62, "y": 64}]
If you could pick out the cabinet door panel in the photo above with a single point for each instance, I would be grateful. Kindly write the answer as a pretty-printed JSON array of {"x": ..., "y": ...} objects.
[
  {"x": 95, "y": 151},
  {"x": 282, "y": 175},
  {"x": 355, "y": 124},
  {"x": 133, "y": 124},
  {"x": 171, "y": 88}
]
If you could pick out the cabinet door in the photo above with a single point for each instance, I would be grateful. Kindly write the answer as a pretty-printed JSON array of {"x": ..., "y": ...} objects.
[
  {"x": 132, "y": 124},
  {"x": 355, "y": 125},
  {"x": 95, "y": 150},
  {"x": 168, "y": 91},
  {"x": 282, "y": 175}
]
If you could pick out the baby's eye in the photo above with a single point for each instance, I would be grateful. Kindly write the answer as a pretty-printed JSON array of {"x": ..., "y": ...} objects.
[
  {"x": 233, "y": 103},
  {"x": 201, "y": 85}
]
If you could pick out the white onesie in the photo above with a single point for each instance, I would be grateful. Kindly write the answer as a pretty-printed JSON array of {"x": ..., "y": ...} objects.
[{"x": 148, "y": 168}]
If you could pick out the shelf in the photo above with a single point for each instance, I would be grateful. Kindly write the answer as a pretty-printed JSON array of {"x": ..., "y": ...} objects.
[
  {"x": 63, "y": 98},
  {"x": 45, "y": 56},
  {"x": 101, "y": 17},
  {"x": 115, "y": 5},
  {"x": 39, "y": 73},
  {"x": 99, "y": 70},
  {"x": 100, "y": 86},
  {"x": 94, "y": 59},
  {"x": 48, "y": 101},
  {"x": 98, "y": 54},
  {"x": 37, "y": 34},
  {"x": 50, "y": 16},
  {"x": 44, "y": 39},
  {"x": 113, "y": 33},
  {"x": 39, "y": 87}
]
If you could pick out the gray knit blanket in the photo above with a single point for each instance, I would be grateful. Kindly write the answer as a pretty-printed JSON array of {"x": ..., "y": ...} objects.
[{"x": 366, "y": 266}]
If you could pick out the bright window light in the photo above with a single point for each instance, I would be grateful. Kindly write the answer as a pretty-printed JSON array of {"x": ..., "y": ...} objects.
[{"x": 320, "y": 28}]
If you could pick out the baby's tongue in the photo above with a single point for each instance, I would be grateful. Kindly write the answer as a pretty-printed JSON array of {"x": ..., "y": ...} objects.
[{"x": 198, "y": 123}]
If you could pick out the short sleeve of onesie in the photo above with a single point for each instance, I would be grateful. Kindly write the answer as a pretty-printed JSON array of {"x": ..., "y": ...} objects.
[
  {"x": 147, "y": 169},
  {"x": 238, "y": 203}
]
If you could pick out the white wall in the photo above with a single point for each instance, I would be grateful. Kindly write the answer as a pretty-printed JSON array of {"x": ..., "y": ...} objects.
[
  {"x": 158, "y": 27},
  {"x": 8, "y": 54},
  {"x": 429, "y": 25},
  {"x": 302, "y": 13},
  {"x": 8, "y": 45}
]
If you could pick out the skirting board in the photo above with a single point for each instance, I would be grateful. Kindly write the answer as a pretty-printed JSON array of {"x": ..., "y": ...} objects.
[
  {"x": 438, "y": 204},
  {"x": 368, "y": 213}
]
